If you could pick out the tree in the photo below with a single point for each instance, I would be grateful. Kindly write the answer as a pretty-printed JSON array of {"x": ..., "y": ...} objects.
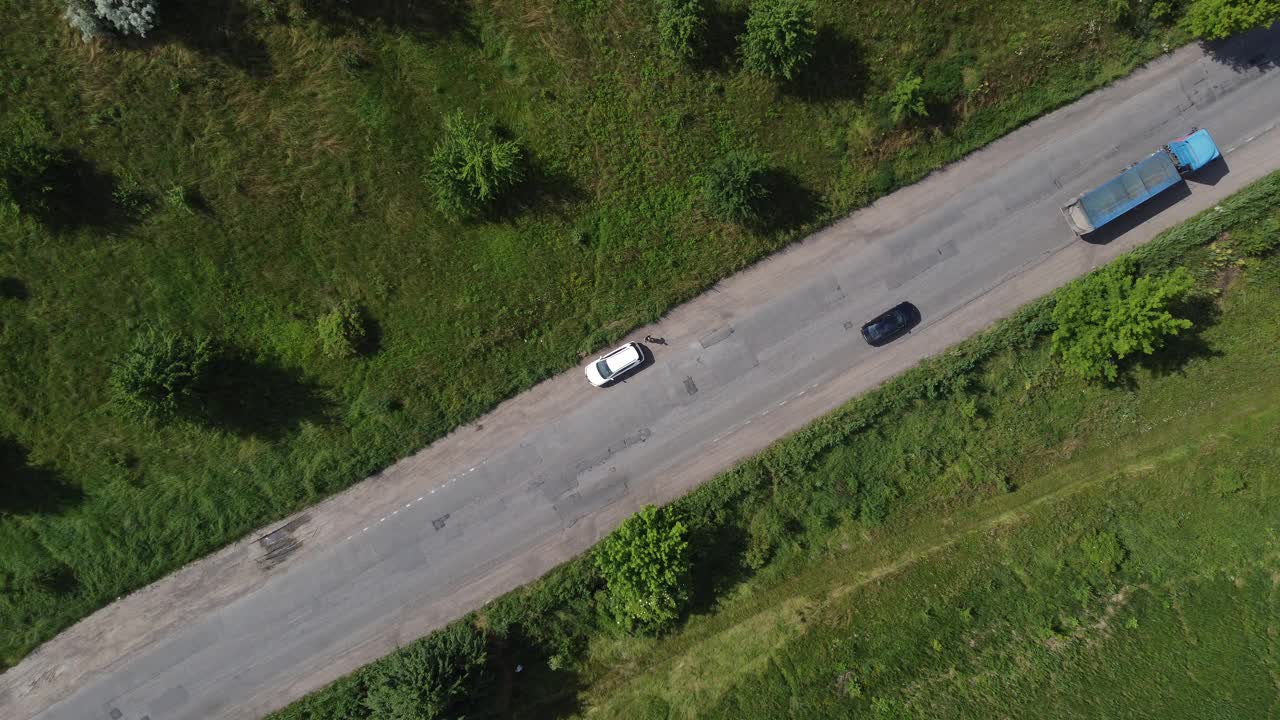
[
  {"x": 681, "y": 24},
  {"x": 906, "y": 100},
  {"x": 127, "y": 17},
  {"x": 1109, "y": 315},
  {"x": 426, "y": 679},
  {"x": 645, "y": 564},
  {"x": 161, "y": 374},
  {"x": 1217, "y": 19},
  {"x": 735, "y": 186},
  {"x": 472, "y": 167},
  {"x": 341, "y": 330},
  {"x": 780, "y": 37}
]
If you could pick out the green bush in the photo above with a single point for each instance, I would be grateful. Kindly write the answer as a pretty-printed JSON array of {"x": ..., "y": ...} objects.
[
  {"x": 681, "y": 24},
  {"x": 1109, "y": 315},
  {"x": 780, "y": 37},
  {"x": 906, "y": 101},
  {"x": 735, "y": 186},
  {"x": 342, "y": 330},
  {"x": 1103, "y": 551},
  {"x": 472, "y": 167},
  {"x": 429, "y": 677},
  {"x": 162, "y": 374},
  {"x": 26, "y": 166},
  {"x": 645, "y": 565},
  {"x": 1217, "y": 19}
]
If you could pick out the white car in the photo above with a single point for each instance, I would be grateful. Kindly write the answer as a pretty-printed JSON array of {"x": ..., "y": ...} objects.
[{"x": 608, "y": 368}]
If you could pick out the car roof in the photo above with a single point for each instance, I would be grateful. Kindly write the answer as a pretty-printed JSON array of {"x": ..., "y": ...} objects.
[{"x": 623, "y": 356}]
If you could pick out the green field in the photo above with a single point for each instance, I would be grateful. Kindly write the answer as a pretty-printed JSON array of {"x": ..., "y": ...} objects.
[
  {"x": 255, "y": 161},
  {"x": 985, "y": 536}
]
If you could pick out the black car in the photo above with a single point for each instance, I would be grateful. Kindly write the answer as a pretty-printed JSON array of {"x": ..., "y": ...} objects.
[{"x": 890, "y": 324}]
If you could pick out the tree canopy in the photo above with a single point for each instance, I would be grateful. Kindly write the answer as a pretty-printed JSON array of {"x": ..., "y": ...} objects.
[
  {"x": 1111, "y": 314},
  {"x": 645, "y": 564}
]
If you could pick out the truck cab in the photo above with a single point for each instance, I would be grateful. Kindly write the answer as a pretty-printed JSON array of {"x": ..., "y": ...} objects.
[{"x": 1194, "y": 151}]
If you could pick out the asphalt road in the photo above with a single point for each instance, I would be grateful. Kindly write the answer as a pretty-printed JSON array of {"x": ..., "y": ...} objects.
[{"x": 496, "y": 504}]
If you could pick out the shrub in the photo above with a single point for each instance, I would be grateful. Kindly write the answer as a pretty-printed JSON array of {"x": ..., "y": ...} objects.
[
  {"x": 680, "y": 28},
  {"x": 127, "y": 17},
  {"x": 1108, "y": 315},
  {"x": 161, "y": 374},
  {"x": 341, "y": 330},
  {"x": 645, "y": 563},
  {"x": 26, "y": 169},
  {"x": 79, "y": 15},
  {"x": 780, "y": 37},
  {"x": 906, "y": 100},
  {"x": 426, "y": 679},
  {"x": 1103, "y": 551},
  {"x": 472, "y": 167},
  {"x": 735, "y": 186},
  {"x": 1217, "y": 19},
  {"x": 130, "y": 196}
]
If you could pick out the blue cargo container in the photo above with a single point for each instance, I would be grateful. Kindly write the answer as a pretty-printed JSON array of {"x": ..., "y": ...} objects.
[{"x": 1140, "y": 182}]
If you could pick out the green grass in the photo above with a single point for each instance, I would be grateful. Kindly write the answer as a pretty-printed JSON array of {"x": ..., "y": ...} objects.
[
  {"x": 984, "y": 496},
  {"x": 272, "y": 158}
]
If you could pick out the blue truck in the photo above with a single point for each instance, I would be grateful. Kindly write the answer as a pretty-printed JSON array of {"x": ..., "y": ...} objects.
[{"x": 1140, "y": 182}]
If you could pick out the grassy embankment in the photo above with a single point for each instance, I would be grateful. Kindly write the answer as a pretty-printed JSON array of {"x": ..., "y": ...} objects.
[
  {"x": 252, "y": 163},
  {"x": 984, "y": 536}
]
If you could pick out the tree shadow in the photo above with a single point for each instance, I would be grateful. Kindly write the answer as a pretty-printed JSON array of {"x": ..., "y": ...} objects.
[
  {"x": 217, "y": 28},
  {"x": 535, "y": 690},
  {"x": 254, "y": 397},
  {"x": 838, "y": 70},
  {"x": 26, "y": 489},
  {"x": 79, "y": 195},
  {"x": 12, "y": 288},
  {"x": 424, "y": 19},
  {"x": 1255, "y": 49},
  {"x": 1190, "y": 344},
  {"x": 720, "y": 50},
  {"x": 716, "y": 565},
  {"x": 790, "y": 204},
  {"x": 543, "y": 186}
]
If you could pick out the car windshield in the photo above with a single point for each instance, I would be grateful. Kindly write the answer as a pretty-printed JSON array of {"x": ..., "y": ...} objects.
[
  {"x": 877, "y": 330},
  {"x": 602, "y": 367}
]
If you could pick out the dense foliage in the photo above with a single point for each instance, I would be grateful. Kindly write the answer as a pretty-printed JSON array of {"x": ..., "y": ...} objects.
[
  {"x": 127, "y": 17},
  {"x": 26, "y": 165},
  {"x": 472, "y": 167},
  {"x": 161, "y": 375},
  {"x": 780, "y": 37},
  {"x": 1217, "y": 19},
  {"x": 342, "y": 330},
  {"x": 735, "y": 186},
  {"x": 1112, "y": 314},
  {"x": 682, "y": 26},
  {"x": 645, "y": 565},
  {"x": 906, "y": 100},
  {"x": 426, "y": 679}
]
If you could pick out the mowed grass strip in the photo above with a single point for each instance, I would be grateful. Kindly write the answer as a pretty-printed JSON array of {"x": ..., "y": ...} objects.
[{"x": 274, "y": 154}]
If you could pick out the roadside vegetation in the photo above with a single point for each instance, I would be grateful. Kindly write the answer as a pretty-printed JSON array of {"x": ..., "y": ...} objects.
[
  {"x": 253, "y": 250},
  {"x": 994, "y": 533}
]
